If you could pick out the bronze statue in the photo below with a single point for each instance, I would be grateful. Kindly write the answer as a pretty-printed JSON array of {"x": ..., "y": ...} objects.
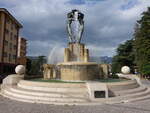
[{"x": 75, "y": 16}]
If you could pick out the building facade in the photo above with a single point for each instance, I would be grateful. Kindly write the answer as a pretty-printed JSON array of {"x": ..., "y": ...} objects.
[
  {"x": 22, "y": 47},
  {"x": 9, "y": 33}
]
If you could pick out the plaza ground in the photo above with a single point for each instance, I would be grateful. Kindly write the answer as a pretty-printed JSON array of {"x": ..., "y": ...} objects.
[{"x": 11, "y": 106}]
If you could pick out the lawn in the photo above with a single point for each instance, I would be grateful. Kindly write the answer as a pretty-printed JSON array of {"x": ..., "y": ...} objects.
[{"x": 60, "y": 81}]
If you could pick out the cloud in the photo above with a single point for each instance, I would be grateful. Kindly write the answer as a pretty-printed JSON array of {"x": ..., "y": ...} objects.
[
  {"x": 129, "y": 4},
  {"x": 107, "y": 22},
  {"x": 100, "y": 50}
]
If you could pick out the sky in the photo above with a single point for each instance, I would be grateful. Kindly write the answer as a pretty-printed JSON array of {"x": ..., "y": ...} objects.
[{"x": 108, "y": 23}]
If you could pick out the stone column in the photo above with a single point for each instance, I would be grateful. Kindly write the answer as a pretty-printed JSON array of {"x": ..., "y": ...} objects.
[
  {"x": 82, "y": 52},
  {"x": 66, "y": 56},
  {"x": 71, "y": 46},
  {"x": 49, "y": 72},
  {"x": 45, "y": 66},
  {"x": 86, "y": 55}
]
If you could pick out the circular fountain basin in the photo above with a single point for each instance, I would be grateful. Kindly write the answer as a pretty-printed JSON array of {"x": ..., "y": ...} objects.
[{"x": 79, "y": 71}]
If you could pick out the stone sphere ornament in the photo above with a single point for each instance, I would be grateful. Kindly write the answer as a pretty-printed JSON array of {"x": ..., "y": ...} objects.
[
  {"x": 20, "y": 69},
  {"x": 125, "y": 70}
]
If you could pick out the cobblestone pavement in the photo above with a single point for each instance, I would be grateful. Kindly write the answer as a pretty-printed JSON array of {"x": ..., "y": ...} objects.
[{"x": 11, "y": 106}]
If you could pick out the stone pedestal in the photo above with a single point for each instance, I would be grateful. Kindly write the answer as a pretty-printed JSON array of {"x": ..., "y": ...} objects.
[
  {"x": 76, "y": 65},
  {"x": 97, "y": 90},
  {"x": 79, "y": 71},
  {"x": 12, "y": 79},
  {"x": 48, "y": 72},
  {"x": 76, "y": 52},
  {"x": 104, "y": 70}
]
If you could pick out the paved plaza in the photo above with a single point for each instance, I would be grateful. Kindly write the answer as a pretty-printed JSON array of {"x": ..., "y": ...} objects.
[{"x": 11, "y": 106}]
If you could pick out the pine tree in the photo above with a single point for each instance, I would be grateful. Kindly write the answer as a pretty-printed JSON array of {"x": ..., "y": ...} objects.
[
  {"x": 125, "y": 56},
  {"x": 142, "y": 42}
]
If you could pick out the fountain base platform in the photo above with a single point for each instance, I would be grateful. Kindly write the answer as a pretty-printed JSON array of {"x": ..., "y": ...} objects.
[{"x": 79, "y": 71}]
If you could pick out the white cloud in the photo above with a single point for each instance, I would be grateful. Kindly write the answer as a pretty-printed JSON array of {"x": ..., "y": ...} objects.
[
  {"x": 134, "y": 12},
  {"x": 37, "y": 47},
  {"x": 96, "y": 50},
  {"x": 106, "y": 24}
]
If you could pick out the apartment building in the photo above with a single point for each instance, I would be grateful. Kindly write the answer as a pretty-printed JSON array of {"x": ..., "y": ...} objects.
[
  {"x": 9, "y": 33},
  {"x": 22, "y": 46}
]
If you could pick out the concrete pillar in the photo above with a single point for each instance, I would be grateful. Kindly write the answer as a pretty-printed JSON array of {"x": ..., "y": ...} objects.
[
  {"x": 54, "y": 73},
  {"x": 82, "y": 52},
  {"x": 66, "y": 56},
  {"x": 86, "y": 55},
  {"x": 105, "y": 70},
  {"x": 71, "y": 46}
]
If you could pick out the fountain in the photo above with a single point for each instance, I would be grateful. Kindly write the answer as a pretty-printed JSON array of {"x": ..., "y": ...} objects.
[
  {"x": 81, "y": 82},
  {"x": 76, "y": 65}
]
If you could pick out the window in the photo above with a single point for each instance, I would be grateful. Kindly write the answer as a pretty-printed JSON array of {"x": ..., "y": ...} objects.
[
  {"x": 8, "y": 21},
  {"x": 6, "y": 31},
  {"x": 5, "y": 54},
  {"x": 11, "y": 36},
  {"x": 15, "y": 47},
  {"x": 16, "y": 27},
  {"x": 9, "y": 57},
  {"x": 22, "y": 47},
  {"x": 14, "y": 56},
  {"x": 10, "y": 46},
  {"x": 12, "y": 26},
  {"x": 15, "y": 37},
  {"x": 5, "y": 42}
]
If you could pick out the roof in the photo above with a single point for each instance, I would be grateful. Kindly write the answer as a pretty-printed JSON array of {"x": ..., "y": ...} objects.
[
  {"x": 22, "y": 38},
  {"x": 12, "y": 17}
]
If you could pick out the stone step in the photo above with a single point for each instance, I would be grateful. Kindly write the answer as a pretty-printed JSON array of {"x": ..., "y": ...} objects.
[
  {"x": 42, "y": 98},
  {"x": 123, "y": 87},
  {"x": 130, "y": 91},
  {"x": 7, "y": 92},
  {"x": 51, "y": 89},
  {"x": 131, "y": 96},
  {"x": 52, "y": 85},
  {"x": 140, "y": 98},
  {"x": 77, "y": 103},
  {"x": 48, "y": 94},
  {"x": 44, "y": 102},
  {"x": 137, "y": 98}
]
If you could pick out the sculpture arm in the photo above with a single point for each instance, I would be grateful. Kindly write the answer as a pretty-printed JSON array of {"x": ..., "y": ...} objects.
[
  {"x": 69, "y": 30},
  {"x": 81, "y": 29}
]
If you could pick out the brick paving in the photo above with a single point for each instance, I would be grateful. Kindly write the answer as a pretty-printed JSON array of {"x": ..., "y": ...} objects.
[{"x": 11, "y": 106}]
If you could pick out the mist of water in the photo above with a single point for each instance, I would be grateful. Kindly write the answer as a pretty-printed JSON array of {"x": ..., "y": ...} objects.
[{"x": 56, "y": 55}]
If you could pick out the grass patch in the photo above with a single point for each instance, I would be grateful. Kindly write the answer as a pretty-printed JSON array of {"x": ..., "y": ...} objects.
[
  {"x": 52, "y": 81},
  {"x": 112, "y": 80},
  {"x": 60, "y": 81}
]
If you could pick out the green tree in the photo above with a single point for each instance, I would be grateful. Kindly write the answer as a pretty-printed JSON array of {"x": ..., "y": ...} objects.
[
  {"x": 28, "y": 66},
  {"x": 36, "y": 65},
  {"x": 124, "y": 56},
  {"x": 142, "y": 42},
  {"x": 41, "y": 60}
]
